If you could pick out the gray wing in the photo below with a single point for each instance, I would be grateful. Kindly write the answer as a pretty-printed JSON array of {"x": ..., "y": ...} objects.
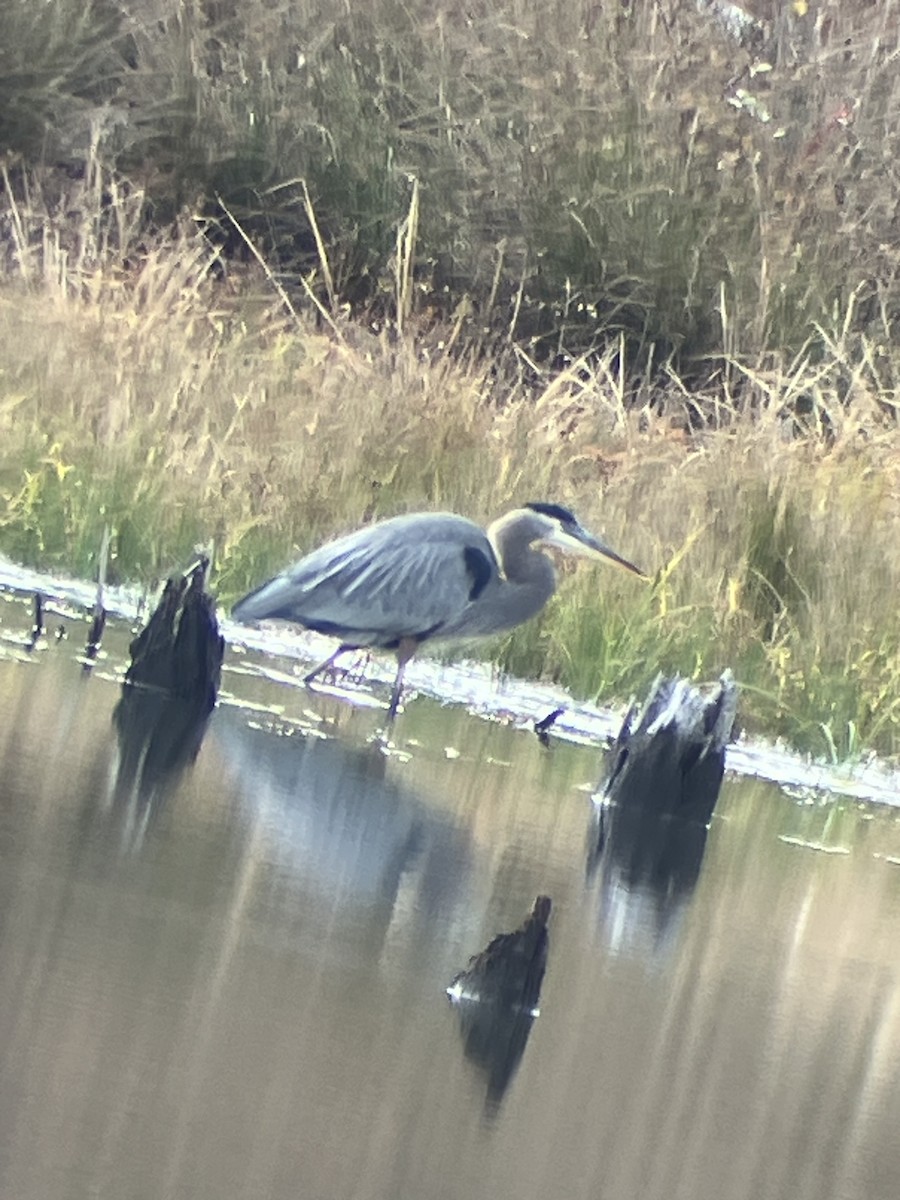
[{"x": 406, "y": 577}]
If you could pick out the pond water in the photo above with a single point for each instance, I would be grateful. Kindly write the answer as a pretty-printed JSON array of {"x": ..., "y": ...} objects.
[{"x": 227, "y": 978}]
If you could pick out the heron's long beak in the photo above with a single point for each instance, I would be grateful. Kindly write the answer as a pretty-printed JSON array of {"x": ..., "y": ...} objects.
[{"x": 579, "y": 541}]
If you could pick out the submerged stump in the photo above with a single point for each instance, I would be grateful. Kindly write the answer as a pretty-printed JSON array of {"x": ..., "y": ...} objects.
[
  {"x": 171, "y": 686},
  {"x": 37, "y": 627},
  {"x": 510, "y": 970},
  {"x": 670, "y": 754},
  {"x": 664, "y": 774},
  {"x": 497, "y": 997},
  {"x": 180, "y": 650}
]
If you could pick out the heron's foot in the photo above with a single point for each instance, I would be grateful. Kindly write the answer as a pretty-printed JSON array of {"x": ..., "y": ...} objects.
[
  {"x": 329, "y": 672},
  {"x": 355, "y": 672}
]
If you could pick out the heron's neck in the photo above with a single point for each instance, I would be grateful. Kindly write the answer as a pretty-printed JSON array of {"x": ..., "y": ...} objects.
[{"x": 523, "y": 567}]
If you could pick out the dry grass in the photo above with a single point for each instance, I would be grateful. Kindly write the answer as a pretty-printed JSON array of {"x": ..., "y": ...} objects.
[
  {"x": 180, "y": 407},
  {"x": 569, "y": 172}
]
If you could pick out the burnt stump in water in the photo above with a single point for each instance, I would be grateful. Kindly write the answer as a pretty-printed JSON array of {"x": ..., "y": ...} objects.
[
  {"x": 180, "y": 650},
  {"x": 170, "y": 689},
  {"x": 510, "y": 970},
  {"x": 497, "y": 998},
  {"x": 663, "y": 779},
  {"x": 670, "y": 754}
]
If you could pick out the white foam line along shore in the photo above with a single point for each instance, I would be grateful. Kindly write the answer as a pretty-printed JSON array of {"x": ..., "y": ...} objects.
[{"x": 481, "y": 689}]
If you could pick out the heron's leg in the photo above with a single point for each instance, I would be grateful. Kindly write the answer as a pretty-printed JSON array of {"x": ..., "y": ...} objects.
[
  {"x": 325, "y": 664},
  {"x": 405, "y": 651}
]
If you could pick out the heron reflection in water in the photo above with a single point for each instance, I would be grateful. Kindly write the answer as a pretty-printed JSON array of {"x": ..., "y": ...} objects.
[{"x": 425, "y": 577}]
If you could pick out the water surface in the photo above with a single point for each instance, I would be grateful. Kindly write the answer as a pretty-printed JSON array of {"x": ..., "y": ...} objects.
[{"x": 227, "y": 979}]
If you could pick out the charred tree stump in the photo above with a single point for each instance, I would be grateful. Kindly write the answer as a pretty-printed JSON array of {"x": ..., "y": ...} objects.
[
  {"x": 171, "y": 686},
  {"x": 670, "y": 755},
  {"x": 497, "y": 998},
  {"x": 180, "y": 650},
  {"x": 652, "y": 814},
  {"x": 95, "y": 633},
  {"x": 510, "y": 970},
  {"x": 37, "y": 627}
]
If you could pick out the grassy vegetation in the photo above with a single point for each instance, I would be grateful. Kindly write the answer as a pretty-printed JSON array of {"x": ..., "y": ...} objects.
[{"x": 273, "y": 270}]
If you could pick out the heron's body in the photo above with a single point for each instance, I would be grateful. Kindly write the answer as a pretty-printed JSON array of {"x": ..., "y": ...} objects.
[{"x": 422, "y": 577}]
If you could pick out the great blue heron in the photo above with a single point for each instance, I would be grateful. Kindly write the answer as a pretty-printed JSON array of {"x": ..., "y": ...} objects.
[{"x": 423, "y": 577}]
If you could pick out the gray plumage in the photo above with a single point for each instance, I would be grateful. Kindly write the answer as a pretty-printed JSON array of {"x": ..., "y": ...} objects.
[{"x": 424, "y": 576}]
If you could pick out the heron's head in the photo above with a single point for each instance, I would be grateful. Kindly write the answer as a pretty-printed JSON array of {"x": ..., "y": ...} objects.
[{"x": 557, "y": 526}]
